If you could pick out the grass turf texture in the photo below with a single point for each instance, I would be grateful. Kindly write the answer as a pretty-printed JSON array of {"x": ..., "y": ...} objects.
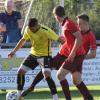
[{"x": 44, "y": 94}]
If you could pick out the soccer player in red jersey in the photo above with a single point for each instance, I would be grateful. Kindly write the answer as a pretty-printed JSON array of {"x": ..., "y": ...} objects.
[
  {"x": 74, "y": 53},
  {"x": 89, "y": 44},
  {"x": 89, "y": 40},
  {"x": 72, "y": 49}
]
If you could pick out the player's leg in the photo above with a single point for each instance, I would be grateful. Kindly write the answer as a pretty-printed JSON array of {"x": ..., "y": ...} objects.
[
  {"x": 81, "y": 86},
  {"x": 65, "y": 68},
  {"x": 63, "y": 82},
  {"x": 58, "y": 60},
  {"x": 77, "y": 80},
  {"x": 28, "y": 64},
  {"x": 20, "y": 79},
  {"x": 56, "y": 63},
  {"x": 46, "y": 70},
  {"x": 36, "y": 80},
  {"x": 52, "y": 87}
]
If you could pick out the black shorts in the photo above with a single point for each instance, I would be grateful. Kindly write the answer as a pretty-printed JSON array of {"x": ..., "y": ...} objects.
[{"x": 32, "y": 61}]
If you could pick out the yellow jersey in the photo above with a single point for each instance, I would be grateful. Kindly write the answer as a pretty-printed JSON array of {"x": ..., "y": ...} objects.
[{"x": 40, "y": 40}]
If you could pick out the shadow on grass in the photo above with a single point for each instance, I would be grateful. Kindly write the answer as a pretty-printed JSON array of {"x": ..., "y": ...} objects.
[{"x": 46, "y": 94}]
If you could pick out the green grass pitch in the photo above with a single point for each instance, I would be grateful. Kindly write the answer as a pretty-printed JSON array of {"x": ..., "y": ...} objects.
[{"x": 44, "y": 94}]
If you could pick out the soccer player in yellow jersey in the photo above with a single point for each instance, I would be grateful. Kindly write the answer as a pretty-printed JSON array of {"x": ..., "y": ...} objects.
[{"x": 40, "y": 54}]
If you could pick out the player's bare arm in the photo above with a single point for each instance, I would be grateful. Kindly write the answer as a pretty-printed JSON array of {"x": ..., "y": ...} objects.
[
  {"x": 78, "y": 42},
  {"x": 61, "y": 39},
  {"x": 91, "y": 54},
  {"x": 18, "y": 46}
]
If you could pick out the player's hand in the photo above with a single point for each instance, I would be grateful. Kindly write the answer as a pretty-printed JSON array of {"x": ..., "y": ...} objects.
[
  {"x": 2, "y": 27},
  {"x": 71, "y": 57},
  {"x": 11, "y": 54},
  {"x": 62, "y": 39}
]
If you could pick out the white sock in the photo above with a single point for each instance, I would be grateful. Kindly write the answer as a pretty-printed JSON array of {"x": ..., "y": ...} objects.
[
  {"x": 19, "y": 92},
  {"x": 55, "y": 97}
]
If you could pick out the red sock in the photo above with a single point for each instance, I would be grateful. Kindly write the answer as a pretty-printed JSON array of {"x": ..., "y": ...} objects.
[
  {"x": 65, "y": 88},
  {"x": 84, "y": 91}
]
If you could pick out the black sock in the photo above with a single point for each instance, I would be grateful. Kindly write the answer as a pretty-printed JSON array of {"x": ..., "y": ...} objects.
[
  {"x": 51, "y": 85},
  {"x": 36, "y": 80},
  {"x": 84, "y": 91},
  {"x": 20, "y": 81},
  {"x": 65, "y": 88}
]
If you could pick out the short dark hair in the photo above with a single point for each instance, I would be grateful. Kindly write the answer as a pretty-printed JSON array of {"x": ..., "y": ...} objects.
[
  {"x": 59, "y": 11},
  {"x": 32, "y": 22},
  {"x": 83, "y": 17}
]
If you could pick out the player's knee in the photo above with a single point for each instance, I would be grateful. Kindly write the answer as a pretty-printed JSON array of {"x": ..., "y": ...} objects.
[
  {"x": 21, "y": 71},
  {"x": 46, "y": 74},
  {"x": 60, "y": 76},
  {"x": 76, "y": 80}
]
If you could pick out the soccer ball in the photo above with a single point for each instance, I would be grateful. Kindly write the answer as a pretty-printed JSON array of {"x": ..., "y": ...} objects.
[{"x": 12, "y": 96}]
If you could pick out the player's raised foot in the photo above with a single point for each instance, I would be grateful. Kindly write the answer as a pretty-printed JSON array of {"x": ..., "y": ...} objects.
[{"x": 25, "y": 92}]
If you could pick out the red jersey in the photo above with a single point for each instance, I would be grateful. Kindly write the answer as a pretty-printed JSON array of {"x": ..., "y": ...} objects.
[
  {"x": 89, "y": 41},
  {"x": 69, "y": 27}
]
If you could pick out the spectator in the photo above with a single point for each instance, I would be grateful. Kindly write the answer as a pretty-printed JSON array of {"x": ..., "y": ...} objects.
[{"x": 13, "y": 22}]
